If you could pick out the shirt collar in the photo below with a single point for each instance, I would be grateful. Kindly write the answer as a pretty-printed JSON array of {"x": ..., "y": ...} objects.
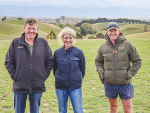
[{"x": 27, "y": 41}]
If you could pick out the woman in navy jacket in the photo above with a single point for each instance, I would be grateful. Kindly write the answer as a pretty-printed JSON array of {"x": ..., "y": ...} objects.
[{"x": 69, "y": 70}]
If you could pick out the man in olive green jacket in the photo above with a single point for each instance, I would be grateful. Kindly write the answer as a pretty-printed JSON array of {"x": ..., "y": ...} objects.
[{"x": 114, "y": 69}]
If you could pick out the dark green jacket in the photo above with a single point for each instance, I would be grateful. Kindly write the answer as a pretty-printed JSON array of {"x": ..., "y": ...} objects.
[{"x": 113, "y": 62}]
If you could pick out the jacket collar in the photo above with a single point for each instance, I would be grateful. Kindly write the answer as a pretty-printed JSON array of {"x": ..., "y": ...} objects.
[
  {"x": 22, "y": 38},
  {"x": 68, "y": 49}
]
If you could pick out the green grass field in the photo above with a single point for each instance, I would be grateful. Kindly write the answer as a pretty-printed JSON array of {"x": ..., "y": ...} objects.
[{"x": 94, "y": 100}]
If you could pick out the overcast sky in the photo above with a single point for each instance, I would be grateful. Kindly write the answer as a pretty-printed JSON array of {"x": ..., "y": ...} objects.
[{"x": 78, "y": 3}]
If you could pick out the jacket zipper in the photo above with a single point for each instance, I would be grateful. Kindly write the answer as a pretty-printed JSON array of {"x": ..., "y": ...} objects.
[
  {"x": 29, "y": 67},
  {"x": 68, "y": 70},
  {"x": 114, "y": 52}
]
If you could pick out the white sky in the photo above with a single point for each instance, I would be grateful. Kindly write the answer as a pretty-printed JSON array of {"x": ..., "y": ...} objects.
[{"x": 81, "y": 3}]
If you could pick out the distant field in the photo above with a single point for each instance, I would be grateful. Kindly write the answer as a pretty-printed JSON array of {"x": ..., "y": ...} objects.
[
  {"x": 16, "y": 22},
  {"x": 94, "y": 100},
  {"x": 145, "y": 35},
  {"x": 14, "y": 28},
  {"x": 9, "y": 29},
  {"x": 127, "y": 29},
  {"x": 47, "y": 29},
  {"x": 102, "y": 26},
  {"x": 133, "y": 28}
]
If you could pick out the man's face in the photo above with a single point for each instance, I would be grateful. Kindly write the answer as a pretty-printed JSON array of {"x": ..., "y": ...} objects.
[
  {"x": 30, "y": 31},
  {"x": 113, "y": 34}
]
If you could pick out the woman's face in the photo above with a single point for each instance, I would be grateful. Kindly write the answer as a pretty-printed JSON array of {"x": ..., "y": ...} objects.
[{"x": 68, "y": 40}]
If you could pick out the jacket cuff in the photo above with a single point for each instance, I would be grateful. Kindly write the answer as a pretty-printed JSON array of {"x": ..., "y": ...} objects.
[
  {"x": 129, "y": 76},
  {"x": 102, "y": 74}
]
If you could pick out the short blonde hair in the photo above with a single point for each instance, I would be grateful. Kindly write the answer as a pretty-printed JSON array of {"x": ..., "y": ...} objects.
[
  {"x": 31, "y": 21},
  {"x": 65, "y": 30}
]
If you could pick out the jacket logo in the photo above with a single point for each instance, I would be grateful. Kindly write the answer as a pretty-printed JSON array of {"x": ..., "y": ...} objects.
[
  {"x": 121, "y": 47},
  {"x": 20, "y": 46}
]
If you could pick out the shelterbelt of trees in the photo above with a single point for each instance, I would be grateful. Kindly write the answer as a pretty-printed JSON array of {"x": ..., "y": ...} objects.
[{"x": 119, "y": 20}]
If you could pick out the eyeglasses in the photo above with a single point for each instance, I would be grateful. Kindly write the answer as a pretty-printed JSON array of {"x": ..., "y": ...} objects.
[{"x": 112, "y": 25}]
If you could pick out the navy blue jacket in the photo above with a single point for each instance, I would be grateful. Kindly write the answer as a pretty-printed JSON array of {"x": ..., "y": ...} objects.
[{"x": 69, "y": 68}]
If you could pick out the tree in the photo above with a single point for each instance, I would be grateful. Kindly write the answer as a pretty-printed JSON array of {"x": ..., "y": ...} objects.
[
  {"x": 78, "y": 30},
  {"x": 94, "y": 30},
  {"x": 19, "y": 18},
  {"x": 92, "y": 37},
  {"x": 87, "y": 27},
  {"x": 70, "y": 25},
  {"x": 100, "y": 35},
  {"x": 106, "y": 35},
  {"x": 83, "y": 32},
  {"x": 61, "y": 25},
  {"x": 4, "y": 18},
  {"x": 67, "y": 25},
  {"x": 53, "y": 23},
  {"x": 79, "y": 36},
  {"x": 145, "y": 28},
  {"x": 51, "y": 35}
]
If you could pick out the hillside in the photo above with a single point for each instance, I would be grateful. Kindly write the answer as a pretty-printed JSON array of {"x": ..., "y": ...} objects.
[
  {"x": 63, "y": 20},
  {"x": 126, "y": 28},
  {"x": 14, "y": 28},
  {"x": 145, "y": 35}
]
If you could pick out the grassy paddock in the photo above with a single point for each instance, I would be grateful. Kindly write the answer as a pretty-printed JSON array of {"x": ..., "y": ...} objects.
[{"x": 94, "y": 100}]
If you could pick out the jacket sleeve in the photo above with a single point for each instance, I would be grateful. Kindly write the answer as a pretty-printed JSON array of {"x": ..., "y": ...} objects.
[
  {"x": 82, "y": 64},
  {"x": 99, "y": 62},
  {"x": 55, "y": 64},
  {"x": 49, "y": 60},
  {"x": 10, "y": 61},
  {"x": 136, "y": 61}
]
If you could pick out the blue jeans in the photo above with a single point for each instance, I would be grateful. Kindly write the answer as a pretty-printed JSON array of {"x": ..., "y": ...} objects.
[
  {"x": 75, "y": 97},
  {"x": 20, "y": 102}
]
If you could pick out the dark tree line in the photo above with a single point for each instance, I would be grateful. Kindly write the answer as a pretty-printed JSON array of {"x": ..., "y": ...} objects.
[{"x": 119, "y": 20}]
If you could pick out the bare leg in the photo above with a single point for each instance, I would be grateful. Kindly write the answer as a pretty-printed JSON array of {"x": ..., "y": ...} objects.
[
  {"x": 113, "y": 105},
  {"x": 127, "y": 105}
]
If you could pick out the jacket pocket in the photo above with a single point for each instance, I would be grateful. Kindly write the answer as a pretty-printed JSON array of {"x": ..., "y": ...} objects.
[
  {"x": 74, "y": 64},
  {"x": 15, "y": 77},
  {"x": 60, "y": 65},
  {"x": 129, "y": 75},
  {"x": 45, "y": 74}
]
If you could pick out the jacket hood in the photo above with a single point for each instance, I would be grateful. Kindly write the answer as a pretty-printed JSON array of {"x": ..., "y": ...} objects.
[{"x": 120, "y": 38}]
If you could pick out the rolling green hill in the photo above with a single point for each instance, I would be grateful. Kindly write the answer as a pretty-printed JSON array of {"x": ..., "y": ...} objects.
[
  {"x": 127, "y": 29},
  {"x": 14, "y": 28},
  {"x": 102, "y": 26},
  {"x": 144, "y": 35},
  {"x": 10, "y": 29}
]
